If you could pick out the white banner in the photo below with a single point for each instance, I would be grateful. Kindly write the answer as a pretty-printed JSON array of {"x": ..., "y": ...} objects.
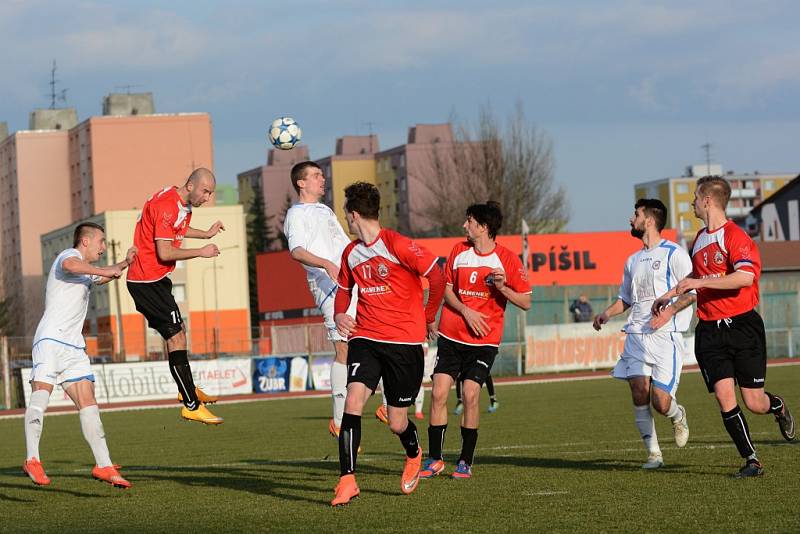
[
  {"x": 577, "y": 346},
  {"x": 141, "y": 381}
]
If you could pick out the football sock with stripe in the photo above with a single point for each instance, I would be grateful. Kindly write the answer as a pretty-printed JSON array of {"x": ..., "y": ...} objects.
[
  {"x": 349, "y": 440},
  {"x": 469, "y": 438},
  {"x": 436, "y": 440},
  {"x": 338, "y": 390},
  {"x": 775, "y": 404},
  {"x": 410, "y": 440},
  {"x": 737, "y": 428},
  {"x": 182, "y": 374},
  {"x": 647, "y": 427},
  {"x": 34, "y": 421}
]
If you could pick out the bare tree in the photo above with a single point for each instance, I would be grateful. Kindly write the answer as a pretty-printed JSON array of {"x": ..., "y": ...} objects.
[{"x": 512, "y": 164}]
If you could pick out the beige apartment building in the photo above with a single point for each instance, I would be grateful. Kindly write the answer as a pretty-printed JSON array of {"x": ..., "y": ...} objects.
[
  {"x": 212, "y": 294},
  {"x": 677, "y": 193},
  {"x": 59, "y": 172},
  {"x": 353, "y": 161}
]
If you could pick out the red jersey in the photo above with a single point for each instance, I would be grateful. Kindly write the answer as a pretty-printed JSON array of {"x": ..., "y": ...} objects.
[
  {"x": 164, "y": 217},
  {"x": 723, "y": 251},
  {"x": 387, "y": 273},
  {"x": 467, "y": 271}
]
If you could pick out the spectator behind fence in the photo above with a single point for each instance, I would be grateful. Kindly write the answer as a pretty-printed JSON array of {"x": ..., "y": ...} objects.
[{"x": 581, "y": 310}]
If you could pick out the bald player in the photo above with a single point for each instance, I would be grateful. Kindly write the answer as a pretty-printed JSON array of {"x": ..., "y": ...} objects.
[{"x": 162, "y": 226}]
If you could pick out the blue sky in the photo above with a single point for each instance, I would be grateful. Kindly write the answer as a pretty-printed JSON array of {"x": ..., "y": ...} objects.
[{"x": 627, "y": 90}]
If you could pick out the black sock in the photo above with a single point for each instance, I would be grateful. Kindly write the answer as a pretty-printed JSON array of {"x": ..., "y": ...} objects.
[
  {"x": 775, "y": 403},
  {"x": 436, "y": 440},
  {"x": 410, "y": 440},
  {"x": 490, "y": 386},
  {"x": 736, "y": 425},
  {"x": 469, "y": 438},
  {"x": 349, "y": 440},
  {"x": 458, "y": 390},
  {"x": 182, "y": 374}
]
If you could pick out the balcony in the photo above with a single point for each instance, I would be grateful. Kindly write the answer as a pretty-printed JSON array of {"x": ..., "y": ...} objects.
[{"x": 744, "y": 193}]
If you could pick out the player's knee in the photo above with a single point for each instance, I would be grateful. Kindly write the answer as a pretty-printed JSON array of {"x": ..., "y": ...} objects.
[
  {"x": 439, "y": 396},
  {"x": 177, "y": 341},
  {"x": 661, "y": 405},
  {"x": 471, "y": 394}
]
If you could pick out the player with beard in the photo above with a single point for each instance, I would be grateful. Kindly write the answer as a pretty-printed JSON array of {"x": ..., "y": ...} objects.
[{"x": 652, "y": 358}]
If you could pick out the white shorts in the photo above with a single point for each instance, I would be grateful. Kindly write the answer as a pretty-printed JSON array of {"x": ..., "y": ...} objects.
[
  {"x": 658, "y": 355},
  {"x": 55, "y": 363},
  {"x": 324, "y": 292}
]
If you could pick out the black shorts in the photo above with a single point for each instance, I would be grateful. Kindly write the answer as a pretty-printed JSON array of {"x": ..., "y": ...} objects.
[
  {"x": 401, "y": 367},
  {"x": 732, "y": 348},
  {"x": 464, "y": 362},
  {"x": 155, "y": 301}
]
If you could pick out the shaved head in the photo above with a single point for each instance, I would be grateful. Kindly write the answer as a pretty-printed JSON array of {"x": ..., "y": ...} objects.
[
  {"x": 200, "y": 186},
  {"x": 201, "y": 174}
]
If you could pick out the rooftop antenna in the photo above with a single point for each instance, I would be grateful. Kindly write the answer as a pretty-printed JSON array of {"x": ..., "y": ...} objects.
[
  {"x": 707, "y": 148},
  {"x": 60, "y": 96},
  {"x": 127, "y": 87},
  {"x": 369, "y": 125}
]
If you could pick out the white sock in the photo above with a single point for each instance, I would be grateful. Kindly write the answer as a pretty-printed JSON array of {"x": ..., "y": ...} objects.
[
  {"x": 93, "y": 432},
  {"x": 338, "y": 391},
  {"x": 647, "y": 428},
  {"x": 34, "y": 421},
  {"x": 675, "y": 413},
  {"x": 420, "y": 400}
]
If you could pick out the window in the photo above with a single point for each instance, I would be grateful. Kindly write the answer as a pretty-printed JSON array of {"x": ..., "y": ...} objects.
[
  {"x": 682, "y": 188},
  {"x": 686, "y": 225},
  {"x": 769, "y": 184},
  {"x": 683, "y": 206}
]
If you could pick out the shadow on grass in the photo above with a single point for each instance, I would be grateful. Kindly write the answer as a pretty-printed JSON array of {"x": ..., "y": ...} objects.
[
  {"x": 279, "y": 479},
  {"x": 53, "y": 488}
]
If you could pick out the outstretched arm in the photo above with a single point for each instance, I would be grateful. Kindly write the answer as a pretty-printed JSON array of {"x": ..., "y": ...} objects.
[
  {"x": 214, "y": 229},
  {"x": 166, "y": 252}
]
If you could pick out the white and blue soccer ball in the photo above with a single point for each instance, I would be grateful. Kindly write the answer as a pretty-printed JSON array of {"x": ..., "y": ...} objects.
[{"x": 284, "y": 133}]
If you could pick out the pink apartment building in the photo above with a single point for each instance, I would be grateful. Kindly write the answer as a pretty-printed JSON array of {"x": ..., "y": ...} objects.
[{"x": 51, "y": 178}]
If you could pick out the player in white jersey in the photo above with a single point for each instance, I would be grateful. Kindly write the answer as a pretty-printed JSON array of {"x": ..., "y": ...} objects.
[
  {"x": 59, "y": 355},
  {"x": 652, "y": 358},
  {"x": 317, "y": 239}
]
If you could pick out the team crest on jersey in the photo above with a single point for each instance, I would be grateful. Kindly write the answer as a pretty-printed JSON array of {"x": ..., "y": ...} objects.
[
  {"x": 383, "y": 270},
  {"x": 718, "y": 258},
  {"x": 656, "y": 265}
]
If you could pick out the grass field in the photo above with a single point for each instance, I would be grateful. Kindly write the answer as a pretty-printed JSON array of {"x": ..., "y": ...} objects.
[{"x": 555, "y": 457}]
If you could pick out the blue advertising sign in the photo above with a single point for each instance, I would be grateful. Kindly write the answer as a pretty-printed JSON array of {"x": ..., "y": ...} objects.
[{"x": 271, "y": 375}]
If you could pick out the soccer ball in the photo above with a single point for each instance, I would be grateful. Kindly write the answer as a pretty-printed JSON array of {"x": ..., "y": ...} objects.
[{"x": 284, "y": 133}]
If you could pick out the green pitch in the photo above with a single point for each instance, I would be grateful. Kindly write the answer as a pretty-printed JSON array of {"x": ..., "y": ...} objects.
[{"x": 555, "y": 457}]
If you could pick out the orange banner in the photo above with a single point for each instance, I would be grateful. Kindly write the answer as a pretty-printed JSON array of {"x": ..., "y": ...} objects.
[{"x": 592, "y": 258}]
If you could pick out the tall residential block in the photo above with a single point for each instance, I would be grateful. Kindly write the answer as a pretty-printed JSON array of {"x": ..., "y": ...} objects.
[
  {"x": 677, "y": 193},
  {"x": 34, "y": 199},
  {"x": 402, "y": 175},
  {"x": 61, "y": 172},
  {"x": 117, "y": 162}
]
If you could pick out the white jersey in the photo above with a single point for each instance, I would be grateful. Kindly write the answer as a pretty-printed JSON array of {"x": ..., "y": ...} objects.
[
  {"x": 314, "y": 227},
  {"x": 648, "y": 275},
  {"x": 66, "y": 303}
]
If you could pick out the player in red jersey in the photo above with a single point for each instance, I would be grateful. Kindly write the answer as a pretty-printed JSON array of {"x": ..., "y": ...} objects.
[
  {"x": 730, "y": 342},
  {"x": 482, "y": 277},
  {"x": 385, "y": 339},
  {"x": 159, "y": 233}
]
